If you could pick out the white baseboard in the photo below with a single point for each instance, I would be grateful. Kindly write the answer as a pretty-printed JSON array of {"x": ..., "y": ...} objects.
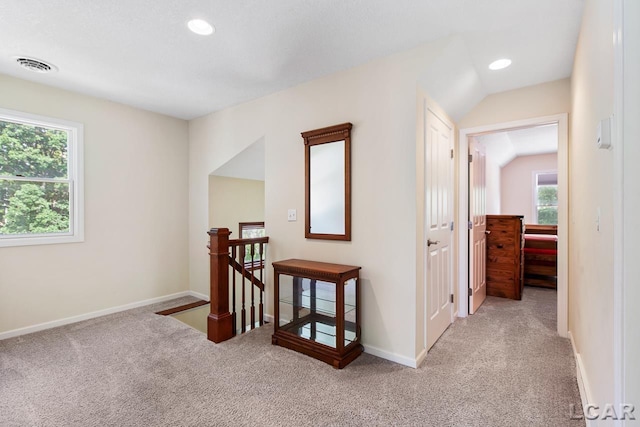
[
  {"x": 198, "y": 295},
  {"x": 402, "y": 360},
  {"x": 94, "y": 314},
  {"x": 583, "y": 382},
  {"x": 383, "y": 354}
]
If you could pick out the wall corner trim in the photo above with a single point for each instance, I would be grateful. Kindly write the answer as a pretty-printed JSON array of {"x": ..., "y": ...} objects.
[
  {"x": 392, "y": 357},
  {"x": 198, "y": 295}
]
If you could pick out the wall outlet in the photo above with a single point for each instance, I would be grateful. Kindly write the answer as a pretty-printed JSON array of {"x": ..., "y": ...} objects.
[{"x": 291, "y": 215}]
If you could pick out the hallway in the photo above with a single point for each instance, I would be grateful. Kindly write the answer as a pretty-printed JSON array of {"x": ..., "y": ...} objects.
[{"x": 515, "y": 367}]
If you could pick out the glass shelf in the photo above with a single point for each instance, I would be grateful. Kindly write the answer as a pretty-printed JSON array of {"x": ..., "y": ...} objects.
[
  {"x": 320, "y": 332},
  {"x": 325, "y": 298}
]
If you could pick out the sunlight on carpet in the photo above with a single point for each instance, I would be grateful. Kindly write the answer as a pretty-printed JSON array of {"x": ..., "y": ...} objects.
[{"x": 195, "y": 317}]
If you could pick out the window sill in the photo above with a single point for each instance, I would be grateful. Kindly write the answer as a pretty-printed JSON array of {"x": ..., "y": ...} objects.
[{"x": 40, "y": 240}]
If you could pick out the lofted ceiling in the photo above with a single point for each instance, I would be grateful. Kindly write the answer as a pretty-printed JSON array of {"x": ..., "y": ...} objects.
[
  {"x": 502, "y": 147},
  {"x": 247, "y": 164},
  {"x": 140, "y": 52}
]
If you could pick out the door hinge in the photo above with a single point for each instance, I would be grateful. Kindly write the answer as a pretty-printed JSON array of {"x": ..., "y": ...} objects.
[
  {"x": 452, "y": 298},
  {"x": 470, "y": 158},
  {"x": 452, "y": 153},
  {"x": 470, "y": 291},
  {"x": 470, "y": 225},
  {"x": 451, "y": 225}
]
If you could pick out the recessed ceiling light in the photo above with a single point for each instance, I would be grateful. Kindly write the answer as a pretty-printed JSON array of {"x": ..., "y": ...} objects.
[
  {"x": 500, "y": 64},
  {"x": 200, "y": 26}
]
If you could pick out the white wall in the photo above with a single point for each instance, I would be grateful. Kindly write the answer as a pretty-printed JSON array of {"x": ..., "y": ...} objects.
[
  {"x": 591, "y": 184},
  {"x": 518, "y": 183},
  {"x": 234, "y": 200},
  {"x": 380, "y": 100},
  {"x": 493, "y": 186},
  {"x": 540, "y": 100},
  {"x": 136, "y": 203}
]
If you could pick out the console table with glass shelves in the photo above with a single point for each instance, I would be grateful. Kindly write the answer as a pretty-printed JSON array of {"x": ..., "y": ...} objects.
[{"x": 317, "y": 310}]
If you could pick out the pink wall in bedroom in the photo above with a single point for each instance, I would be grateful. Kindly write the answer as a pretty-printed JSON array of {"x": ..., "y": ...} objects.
[{"x": 517, "y": 183}]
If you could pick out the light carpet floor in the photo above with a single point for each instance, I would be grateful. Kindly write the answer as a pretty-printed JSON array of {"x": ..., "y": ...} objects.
[{"x": 504, "y": 366}]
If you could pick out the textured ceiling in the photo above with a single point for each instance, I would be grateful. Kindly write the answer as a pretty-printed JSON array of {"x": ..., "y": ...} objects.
[{"x": 140, "y": 52}]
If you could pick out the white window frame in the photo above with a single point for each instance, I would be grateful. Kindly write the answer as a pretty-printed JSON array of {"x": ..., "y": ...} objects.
[
  {"x": 75, "y": 174},
  {"x": 535, "y": 189}
]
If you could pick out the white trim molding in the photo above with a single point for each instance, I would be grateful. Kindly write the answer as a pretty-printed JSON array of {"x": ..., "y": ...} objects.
[
  {"x": 618, "y": 206},
  {"x": 198, "y": 295},
  {"x": 393, "y": 357},
  {"x": 583, "y": 381}
]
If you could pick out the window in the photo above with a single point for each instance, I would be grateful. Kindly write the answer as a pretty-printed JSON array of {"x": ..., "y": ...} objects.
[
  {"x": 546, "y": 198},
  {"x": 40, "y": 180},
  {"x": 252, "y": 230}
]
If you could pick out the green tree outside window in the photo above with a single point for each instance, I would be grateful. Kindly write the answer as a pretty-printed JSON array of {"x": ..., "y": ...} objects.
[
  {"x": 547, "y": 204},
  {"x": 34, "y": 186}
]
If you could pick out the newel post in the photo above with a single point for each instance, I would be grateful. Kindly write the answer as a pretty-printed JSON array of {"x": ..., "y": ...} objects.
[{"x": 219, "y": 321}]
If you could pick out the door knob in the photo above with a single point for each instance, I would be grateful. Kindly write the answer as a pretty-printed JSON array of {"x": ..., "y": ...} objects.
[{"x": 431, "y": 242}]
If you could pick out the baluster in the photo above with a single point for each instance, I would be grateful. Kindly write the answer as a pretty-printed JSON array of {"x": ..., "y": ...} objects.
[
  {"x": 253, "y": 306},
  {"x": 261, "y": 309},
  {"x": 233, "y": 290}
]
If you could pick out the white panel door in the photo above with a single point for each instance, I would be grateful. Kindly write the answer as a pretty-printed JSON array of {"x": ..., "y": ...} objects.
[
  {"x": 438, "y": 218},
  {"x": 478, "y": 232}
]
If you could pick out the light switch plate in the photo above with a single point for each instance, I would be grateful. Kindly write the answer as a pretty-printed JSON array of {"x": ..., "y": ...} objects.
[
  {"x": 291, "y": 215},
  {"x": 603, "y": 138}
]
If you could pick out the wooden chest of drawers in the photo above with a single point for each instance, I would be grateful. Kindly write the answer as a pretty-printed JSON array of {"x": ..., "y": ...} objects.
[{"x": 505, "y": 256}]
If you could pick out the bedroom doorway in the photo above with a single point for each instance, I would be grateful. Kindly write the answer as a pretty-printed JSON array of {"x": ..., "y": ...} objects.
[{"x": 525, "y": 203}]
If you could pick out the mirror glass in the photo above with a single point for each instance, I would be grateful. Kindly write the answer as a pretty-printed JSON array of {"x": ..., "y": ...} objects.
[
  {"x": 326, "y": 199},
  {"x": 328, "y": 183}
]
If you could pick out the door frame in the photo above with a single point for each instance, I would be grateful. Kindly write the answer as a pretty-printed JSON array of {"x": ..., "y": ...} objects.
[{"x": 562, "y": 120}]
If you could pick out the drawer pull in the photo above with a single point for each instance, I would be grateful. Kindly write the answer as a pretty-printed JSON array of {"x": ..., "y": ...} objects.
[
  {"x": 500, "y": 246},
  {"x": 487, "y": 232}
]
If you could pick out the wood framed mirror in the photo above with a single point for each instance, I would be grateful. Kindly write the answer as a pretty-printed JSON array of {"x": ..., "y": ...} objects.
[{"x": 327, "y": 158}]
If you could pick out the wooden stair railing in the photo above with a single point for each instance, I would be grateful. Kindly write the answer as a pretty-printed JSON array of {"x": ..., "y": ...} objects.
[
  {"x": 240, "y": 248},
  {"x": 225, "y": 253}
]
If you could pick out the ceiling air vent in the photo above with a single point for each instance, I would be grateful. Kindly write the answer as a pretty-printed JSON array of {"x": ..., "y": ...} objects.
[{"x": 36, "y": 65}]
